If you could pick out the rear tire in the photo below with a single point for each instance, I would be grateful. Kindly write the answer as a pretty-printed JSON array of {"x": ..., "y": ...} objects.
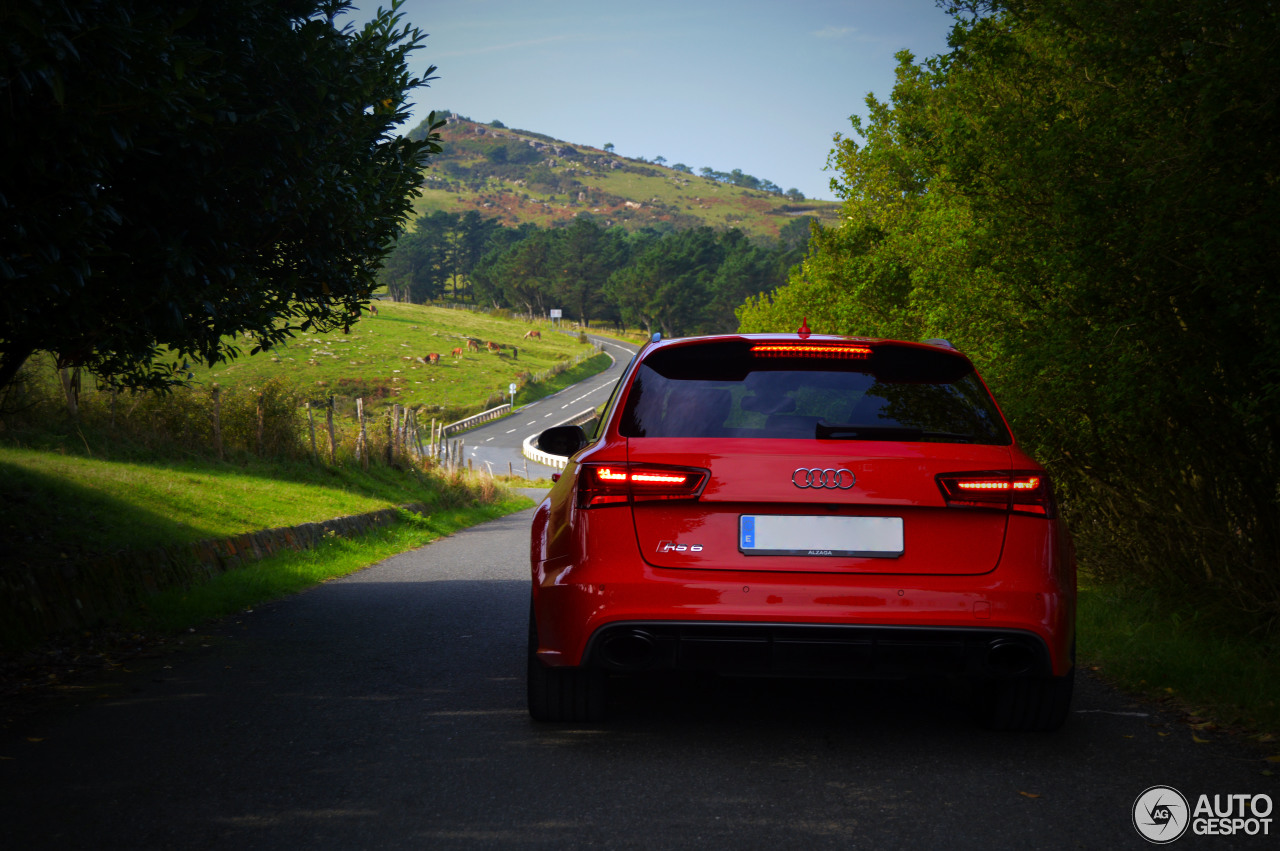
[
  {"x": 562, "y": 694},
  {"x": 1029, "y": 704}
]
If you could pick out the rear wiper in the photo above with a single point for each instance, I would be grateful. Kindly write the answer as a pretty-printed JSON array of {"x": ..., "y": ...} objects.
[{"x": 842, "y": 431}]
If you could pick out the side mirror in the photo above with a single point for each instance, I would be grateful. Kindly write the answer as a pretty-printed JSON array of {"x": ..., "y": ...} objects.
[{"x": 562, "y": 440}]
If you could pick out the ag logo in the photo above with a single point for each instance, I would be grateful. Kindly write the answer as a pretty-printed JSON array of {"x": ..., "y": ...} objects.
[{"x": 1161, "y": 814}]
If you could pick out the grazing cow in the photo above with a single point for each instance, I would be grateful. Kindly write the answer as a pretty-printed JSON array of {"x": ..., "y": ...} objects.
[
  {"x": 473, "y": 345},
  {"x": 457, "y": 353},
  {"x": 493, "y": 347},
  {"x": 433, "y": 358},
  {"x": 536, "y": 335}
]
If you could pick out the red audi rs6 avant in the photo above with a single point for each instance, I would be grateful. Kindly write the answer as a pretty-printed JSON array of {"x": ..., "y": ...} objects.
[{"x": 801, "y": 505}]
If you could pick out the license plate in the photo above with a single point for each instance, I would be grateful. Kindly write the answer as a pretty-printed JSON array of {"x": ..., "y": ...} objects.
[{"x": 841, "y": 537}]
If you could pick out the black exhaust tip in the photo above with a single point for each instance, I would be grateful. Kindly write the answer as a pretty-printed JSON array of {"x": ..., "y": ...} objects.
[
  {"x": 633, "y": 650},
  {"x": 1010, "y": 658}
]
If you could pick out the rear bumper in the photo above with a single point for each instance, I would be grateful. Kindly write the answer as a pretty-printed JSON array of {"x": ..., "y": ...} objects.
[
  {"x": 815, "y": 625},
  {"x": 882, "y": 652},
  {"x": 827, "y": 623}
]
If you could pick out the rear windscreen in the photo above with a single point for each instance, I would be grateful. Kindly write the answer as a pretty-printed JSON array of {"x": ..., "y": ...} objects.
[{"x": 723, "y": 390}]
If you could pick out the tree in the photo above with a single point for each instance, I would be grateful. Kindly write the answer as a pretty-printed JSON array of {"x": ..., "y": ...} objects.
[
  {"x": 667, "y": 281},
  {"x": 525, "y": 273},
  {"x": 587, "y": 254},
  {"x": 476, "y": 235},
  {"x": 608, "y": 147},
  {"x": 175, "y": 176},
  {"x": 1082, "y": 197},
  {"x": 414, "y": 270}
]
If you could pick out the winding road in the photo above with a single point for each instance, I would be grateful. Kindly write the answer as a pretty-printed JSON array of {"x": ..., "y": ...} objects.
[{"x": 498, "y": 444}]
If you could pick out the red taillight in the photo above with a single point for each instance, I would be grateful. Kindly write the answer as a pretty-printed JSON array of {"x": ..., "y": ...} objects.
[
  {"x": 810, "y": 350},
  {"x": 1026, "y": 492},
  {"x": 606, "y": 484}
]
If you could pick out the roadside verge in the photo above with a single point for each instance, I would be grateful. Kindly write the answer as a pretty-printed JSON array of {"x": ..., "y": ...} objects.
[{"x": 76, "y": 597}]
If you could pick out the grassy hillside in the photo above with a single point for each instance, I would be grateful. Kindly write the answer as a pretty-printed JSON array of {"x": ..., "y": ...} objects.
[
  {"x": 63, "y": 507},
  {"x": 69, "y": 518},
  {"x": 521, "y": 177},
  {"x": 134, "y": 473},
  {"x": 382, "y": 359}
]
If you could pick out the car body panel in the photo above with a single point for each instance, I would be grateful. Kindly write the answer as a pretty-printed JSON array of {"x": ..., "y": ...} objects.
[{"x": 756, "y": 477}]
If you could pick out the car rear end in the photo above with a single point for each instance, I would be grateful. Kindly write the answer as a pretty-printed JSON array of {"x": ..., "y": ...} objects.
[{"x": 787, "y": 505}]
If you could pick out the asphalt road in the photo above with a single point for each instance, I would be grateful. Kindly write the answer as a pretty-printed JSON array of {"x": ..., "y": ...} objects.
[
  {"x": 386, "y": 710},
  {"x": 498, "y": 444}
]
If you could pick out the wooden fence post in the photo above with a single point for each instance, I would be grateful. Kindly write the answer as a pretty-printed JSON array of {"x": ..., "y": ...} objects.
[
  {"x": 311, "y": 426},
  {"x": 217, "y": 420},
  {"x": 261, "y": 419},
  {"x": 389, "y": 453},
  {"x": 396, "y": 434},
  {"x": 411, "y": 432},
  {"x": 362, "y": 442},
  {"x": 333, "y": 444}
]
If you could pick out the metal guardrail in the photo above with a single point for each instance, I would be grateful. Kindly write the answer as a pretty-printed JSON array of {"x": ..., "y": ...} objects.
[
  {"x": 477, "y": 419},
  {"x": 546, "y": 458},
  {"x": 504, "y": 409}
]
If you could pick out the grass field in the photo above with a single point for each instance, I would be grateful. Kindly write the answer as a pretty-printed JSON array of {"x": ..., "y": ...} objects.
[{"x": 382, "y": 359}]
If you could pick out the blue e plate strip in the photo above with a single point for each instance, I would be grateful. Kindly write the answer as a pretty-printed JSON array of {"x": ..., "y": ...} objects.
[{"x": 747, "y": 530}]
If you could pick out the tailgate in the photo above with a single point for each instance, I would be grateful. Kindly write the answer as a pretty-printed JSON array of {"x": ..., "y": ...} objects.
[{"x": 764, "y": 510}]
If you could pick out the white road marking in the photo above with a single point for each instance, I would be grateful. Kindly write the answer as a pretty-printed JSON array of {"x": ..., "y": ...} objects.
[{"x": 510, "y": 430}]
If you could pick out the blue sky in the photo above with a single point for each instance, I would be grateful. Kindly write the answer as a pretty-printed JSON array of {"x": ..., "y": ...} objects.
[{"x": 759, "y": 85}]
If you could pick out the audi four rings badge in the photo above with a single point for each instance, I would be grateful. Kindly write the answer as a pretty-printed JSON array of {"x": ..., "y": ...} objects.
[{"x": 812, "y": 477}]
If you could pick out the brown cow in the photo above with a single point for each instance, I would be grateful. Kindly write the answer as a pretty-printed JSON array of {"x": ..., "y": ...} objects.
[
  {"x": 493, "y": 347},
  {"x": 433, "y": 358},
  {"x": 473, "y": 345},
  {"x": 536, "y": 335},
  {"x": 457, "y": 353}
]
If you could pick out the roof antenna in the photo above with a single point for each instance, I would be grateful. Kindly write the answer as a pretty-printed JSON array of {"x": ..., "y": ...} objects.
[{"x": 804, "y": 328}]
